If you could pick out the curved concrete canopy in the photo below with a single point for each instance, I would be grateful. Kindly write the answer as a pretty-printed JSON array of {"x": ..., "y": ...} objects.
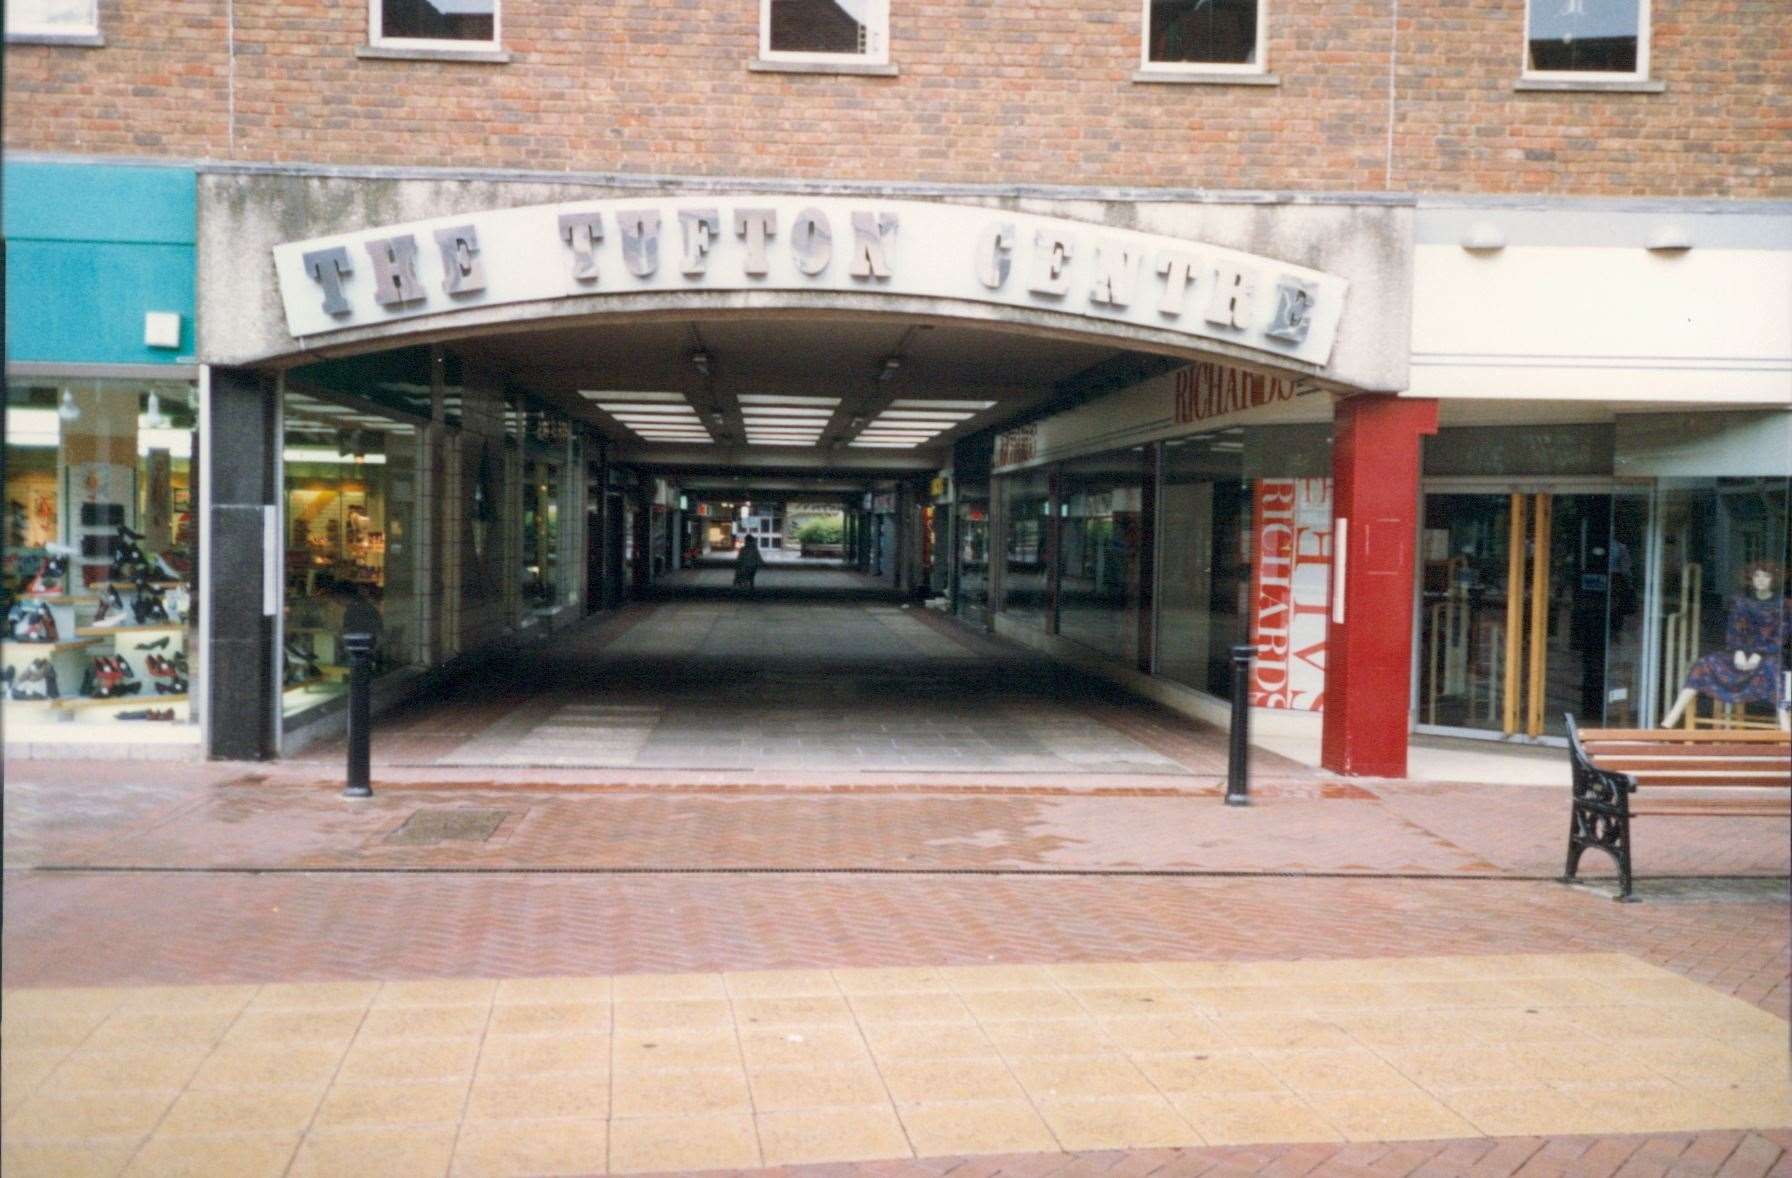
[{"x": 300, "y": 267}]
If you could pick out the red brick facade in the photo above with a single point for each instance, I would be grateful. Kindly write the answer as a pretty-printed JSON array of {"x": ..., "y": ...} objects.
[{"x": 1035, "y": 92}]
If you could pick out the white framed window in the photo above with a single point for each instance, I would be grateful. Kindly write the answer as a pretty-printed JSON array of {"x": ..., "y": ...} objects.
[
  {"x": 825, "y": 31},
  {"x": 1203, "y": 36},
  {"x": 1586, "y": 40},
  {"x": 52, "y": 19},
  {"x": 433, "y": 24}
]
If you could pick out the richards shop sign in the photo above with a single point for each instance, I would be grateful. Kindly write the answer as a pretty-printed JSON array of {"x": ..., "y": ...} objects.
[{"x": 783, "y": 243}]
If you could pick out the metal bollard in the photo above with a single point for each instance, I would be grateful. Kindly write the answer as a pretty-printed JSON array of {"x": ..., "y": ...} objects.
[
  {"x": 360, "y": 715},
  {"x": 1238, "y": 755}
]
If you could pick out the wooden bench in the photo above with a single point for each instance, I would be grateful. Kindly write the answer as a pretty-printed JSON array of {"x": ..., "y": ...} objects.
[{"x": 1611, "y": 764}]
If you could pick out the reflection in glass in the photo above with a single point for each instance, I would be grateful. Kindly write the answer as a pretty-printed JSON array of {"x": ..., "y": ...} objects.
[
  {"x": 439, "y": 20},
  {"x": 973, "y": 557},
  {"x": 820, "y": 26},
  {"x": 1026, "y": 514},
  {"x": 1204, "y": 561},
  {"x": 351, "y": 503},
  {"x": 1100, "y": 552},
  {"x": 1584, "y": 36},
  {"x": 1216, "y": 32}
]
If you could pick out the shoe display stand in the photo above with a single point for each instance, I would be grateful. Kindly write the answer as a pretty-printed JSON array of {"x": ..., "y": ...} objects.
[
  {"x": 67, "y": 655},
  {"x": 79, "y": 643}
]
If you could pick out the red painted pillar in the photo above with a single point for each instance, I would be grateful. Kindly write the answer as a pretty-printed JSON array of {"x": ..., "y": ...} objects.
[{"x": 1368, "y": 656}]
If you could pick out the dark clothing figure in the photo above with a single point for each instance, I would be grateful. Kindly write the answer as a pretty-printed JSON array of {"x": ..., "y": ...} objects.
[
  {"x": 1756, "y": 626},
  {"x": 746, "y": 565}
]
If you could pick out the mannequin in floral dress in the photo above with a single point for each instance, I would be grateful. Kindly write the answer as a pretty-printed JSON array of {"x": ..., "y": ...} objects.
[{"x": 1749, "y": 668}]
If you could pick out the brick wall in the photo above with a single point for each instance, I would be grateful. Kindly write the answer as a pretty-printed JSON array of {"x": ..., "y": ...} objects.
[{"x": 1030, "y": 91}]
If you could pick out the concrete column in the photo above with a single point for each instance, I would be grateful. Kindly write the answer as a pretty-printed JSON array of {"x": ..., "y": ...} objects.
[
  {"x": 243, "y": 662},
  {"x": 1368, "y": 656}
]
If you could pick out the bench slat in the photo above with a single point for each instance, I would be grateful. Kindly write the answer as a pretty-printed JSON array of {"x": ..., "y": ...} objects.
[
  {"x": 1715, "y": 812},
  {"x": 1693, "y": 764},
  {"x": 1680, "y": 780},
  {"x": 1694, "y": 752},
  {"x": 1685, "y": 735}
]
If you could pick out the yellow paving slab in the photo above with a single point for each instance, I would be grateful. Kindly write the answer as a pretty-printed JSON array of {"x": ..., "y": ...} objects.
[{"x": 580, "y": 1075}]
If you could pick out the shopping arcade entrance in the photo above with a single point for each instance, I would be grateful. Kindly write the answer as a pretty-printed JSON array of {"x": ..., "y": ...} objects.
[{"x": 682, "y": 299}]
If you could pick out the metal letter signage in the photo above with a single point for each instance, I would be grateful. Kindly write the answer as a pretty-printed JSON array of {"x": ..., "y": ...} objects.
[{"x": 1053, "y": 266}]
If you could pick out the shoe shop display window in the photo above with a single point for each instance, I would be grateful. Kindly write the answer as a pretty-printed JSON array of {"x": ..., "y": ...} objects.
[
  {"x": 350, "y": 518},
  {"x": 99, "y": 564}
]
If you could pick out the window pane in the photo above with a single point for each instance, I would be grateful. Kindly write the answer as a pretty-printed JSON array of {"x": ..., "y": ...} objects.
[
  {"x": 51, "y": 16},
  {"x": 1026, "y": 509},
  {"x": 1100, "y": 556},
  {"x": 821, "y": 26},
  {"x": 1594, "y": 36},
  {"x": 1222, "y": 32},
  {"x": 439, "y": 20}
]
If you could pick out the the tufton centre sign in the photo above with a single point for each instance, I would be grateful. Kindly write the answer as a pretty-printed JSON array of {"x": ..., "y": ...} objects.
[{"x": 789, "y": 243}]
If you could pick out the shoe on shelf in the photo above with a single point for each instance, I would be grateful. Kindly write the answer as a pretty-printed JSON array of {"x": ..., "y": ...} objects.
[{"x": 158, "y": 644}]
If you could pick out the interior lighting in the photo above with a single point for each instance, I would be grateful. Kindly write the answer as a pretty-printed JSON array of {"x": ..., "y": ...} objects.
[
  {"x": 927, "y": 415},
  {"x": 884, "y": 445},
  {"x": 68, "y": 410},
  {"x": 781, "y": 399},
  {"x": 620, "y": 396},
  {"x": 923, "y": 403},
  {"x": 330, "y": 457}
]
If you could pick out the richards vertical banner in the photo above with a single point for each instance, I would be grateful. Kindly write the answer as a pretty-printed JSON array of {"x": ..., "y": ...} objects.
[{"x": 1291, "y": 576}]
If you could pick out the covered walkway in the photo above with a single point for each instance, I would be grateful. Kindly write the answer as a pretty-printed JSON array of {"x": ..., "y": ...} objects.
[{"x": 830, "y": 684}]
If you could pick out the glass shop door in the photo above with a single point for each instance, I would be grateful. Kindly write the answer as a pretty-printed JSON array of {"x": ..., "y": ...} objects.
[{"x": 1529, "y": 609}]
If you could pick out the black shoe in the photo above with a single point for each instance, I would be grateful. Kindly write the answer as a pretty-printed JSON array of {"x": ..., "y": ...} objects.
[{"x": 158, "y": 644}]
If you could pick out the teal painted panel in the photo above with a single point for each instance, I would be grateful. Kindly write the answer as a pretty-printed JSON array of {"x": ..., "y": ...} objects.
[
  {"x": 100, "y": 202},
  {"x": 84, "y": 302}
]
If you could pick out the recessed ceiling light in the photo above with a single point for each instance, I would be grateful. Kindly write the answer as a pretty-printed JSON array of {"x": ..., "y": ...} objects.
[
  {"x": 884, "y": 445},
  {"x": 781, "y": 399},
  {"x": 912, "y": 403},
  {"x": 622, "y": 395},
  {"x": 925, "y": 415}
]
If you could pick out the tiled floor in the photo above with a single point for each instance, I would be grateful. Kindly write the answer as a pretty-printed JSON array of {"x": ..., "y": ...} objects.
[
  {"x": 575, "y": 1075},
  {"x": 788, "y": 686}
]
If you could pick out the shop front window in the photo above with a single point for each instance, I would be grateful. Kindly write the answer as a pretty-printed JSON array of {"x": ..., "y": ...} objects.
[
  {"x": 1245, "y": 558},
  {"x": 541, "y": 536},
  {"x": 1101, "y": 553},
  {"x": 1722, "y": 616},
  {"x": 350, "y": 518},
  {"x": 973, "y": 556},
  {"x": 100, "y": 559},
  {"x": 1026, "y": 514}
]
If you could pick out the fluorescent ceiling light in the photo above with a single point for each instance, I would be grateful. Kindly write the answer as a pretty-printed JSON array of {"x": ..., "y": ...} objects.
[
  {"x": 884, "y": 445},
  {"x": 331, "y": 457},
  {"x": 651, "y": 413},
  {"x": 780, "y": 399},
  {"x": 779, "y": 413},
  {"x": 926, "y": 404},
  {"x": 925, "y": 415},
  {"x": 601, "y": 395}
]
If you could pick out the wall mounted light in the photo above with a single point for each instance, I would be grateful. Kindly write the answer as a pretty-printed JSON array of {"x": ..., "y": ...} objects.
[
  {"x": 1484, "y": 237},
  {"x": 161, "y": 329},
  {"x": 700, "y": 360},
  {"x": 1670, "y": 238}
]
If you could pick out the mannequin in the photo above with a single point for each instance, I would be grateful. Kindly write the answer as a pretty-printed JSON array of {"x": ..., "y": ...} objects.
[{"x": 1749, "y": 668}]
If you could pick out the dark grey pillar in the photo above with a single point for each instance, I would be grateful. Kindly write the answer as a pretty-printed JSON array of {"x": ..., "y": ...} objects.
[{"x": 241, "y": 707}]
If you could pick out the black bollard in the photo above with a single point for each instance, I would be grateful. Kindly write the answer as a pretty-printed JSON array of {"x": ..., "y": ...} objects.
[
  {"x": 360, "y": 715},
  {"x": 1238, "y": 755}
]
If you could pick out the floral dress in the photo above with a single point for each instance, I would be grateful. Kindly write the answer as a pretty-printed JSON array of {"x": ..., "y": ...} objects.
[{"x": 1756, "y": 626}]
